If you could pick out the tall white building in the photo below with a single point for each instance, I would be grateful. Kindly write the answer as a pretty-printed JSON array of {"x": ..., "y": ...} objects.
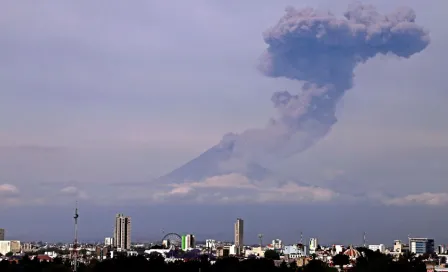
[
  {"x": 313, "y": 245},
  {"x": 2, "y": 234},
  {"x": 9, "y": 246},
  {"x": 239, "y": 235},
  {"x": 122, "y": 232},
  {"x": 190, "y": 241}
]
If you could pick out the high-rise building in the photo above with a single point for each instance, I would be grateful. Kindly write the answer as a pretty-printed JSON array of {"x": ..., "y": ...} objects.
[
  {"x": 188, "y": 241},
  {"x": 2, "y": 234},
  {"x": 421, "y": 245},
  {"x": 313, "y": 245},
  {"x": 239, "y": 235},
  {"x": 122, "y": 232}
]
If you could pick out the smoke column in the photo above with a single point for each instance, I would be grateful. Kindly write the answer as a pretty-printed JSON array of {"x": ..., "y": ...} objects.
[{"x": 321, "y": 51}]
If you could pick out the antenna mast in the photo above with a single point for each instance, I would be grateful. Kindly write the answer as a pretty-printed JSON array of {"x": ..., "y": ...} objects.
[
  {"x": 364, "y": 239},
  {"x": 75, "y": 242}
]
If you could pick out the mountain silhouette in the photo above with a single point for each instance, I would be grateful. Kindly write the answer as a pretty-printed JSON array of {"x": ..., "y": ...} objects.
[
  {"x": 216, "y": 161},
  {"x": 221, "y": 160}
]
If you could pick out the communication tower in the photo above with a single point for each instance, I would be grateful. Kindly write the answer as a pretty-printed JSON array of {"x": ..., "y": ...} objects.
[{"x": 75, "y": 242}]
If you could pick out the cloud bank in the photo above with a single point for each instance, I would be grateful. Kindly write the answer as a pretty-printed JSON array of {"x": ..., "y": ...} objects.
[
  {"x": 236, "y": 188},
  {"x": 425, "y": 199}
]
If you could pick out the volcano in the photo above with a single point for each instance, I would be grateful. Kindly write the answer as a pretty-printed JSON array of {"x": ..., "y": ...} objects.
[{"x": 216, "y": 161}]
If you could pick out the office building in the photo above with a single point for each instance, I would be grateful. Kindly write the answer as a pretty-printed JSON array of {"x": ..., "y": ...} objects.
[
  {"x": 9, "y": 246},
  {"x": 2, "y": 234},
  {"x": 188, "y": 241},
  {"x": 122, "y": 232},
  {"x": 421, "y": 245},
  {"x": 239, "y": 235}
]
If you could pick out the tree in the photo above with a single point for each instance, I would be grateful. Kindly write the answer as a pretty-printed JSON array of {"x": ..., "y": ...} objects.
[
  {"x": 83, "y": 252},
  {"x": 271, "y": 255},
  {"x": 316, "y": 266},
  {"x": 9, "y": 254},
  {"x": 341, "y": 260},
  {"x": 293, "y": 266}
]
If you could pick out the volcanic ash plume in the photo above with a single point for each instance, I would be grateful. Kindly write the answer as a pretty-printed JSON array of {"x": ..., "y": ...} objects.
[{"x": 321, "y": 51}]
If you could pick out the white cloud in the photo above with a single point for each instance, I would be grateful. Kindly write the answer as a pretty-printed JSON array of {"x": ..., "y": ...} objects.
[
  {"x": 8, "y": 190},
  {"x": 9, "y": 195},
  {"x": 292, "y": 192},
  {"x": 238, "y": 188},
  {"x": 73, "y": 191},
  {"x": 430, "y": 199}
]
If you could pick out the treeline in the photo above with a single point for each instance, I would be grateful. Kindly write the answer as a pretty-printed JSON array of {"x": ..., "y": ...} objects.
[{"x": 371, "y": 262}]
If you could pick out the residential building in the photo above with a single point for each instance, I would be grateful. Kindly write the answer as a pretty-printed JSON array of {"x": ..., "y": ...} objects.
[
  {"x": 222, "y": 251},
  {"x": 2, "y": 234},
  {"x": 210, "y": 244},
  {"x": 399, "y": 247},
  {"x": 102, "y": 252},
  {"x": 122, "y": 232},
  {"x": 336, "y": 249},
  {"x": 255, "y": 251},
  {"x": 294, "y": 251},
  {"x": 239, "y": 235},
  {"x": 421, "y": 245},
  {"x": 108, "y": 241},
  {"x": 277, "y": 244},
  {"x": 233, "y": 250},
  {"x": 441, "y": 249},
  {"x": 381, "y": 248},
  {"x": 9, "y": 246}
]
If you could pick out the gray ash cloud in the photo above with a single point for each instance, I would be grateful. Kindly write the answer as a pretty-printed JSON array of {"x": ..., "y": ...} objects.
[{"x": 321, "y": 51}]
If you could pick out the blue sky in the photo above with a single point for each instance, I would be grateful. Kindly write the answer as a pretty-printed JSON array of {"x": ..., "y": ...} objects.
[{"x": 98, "y": 99}]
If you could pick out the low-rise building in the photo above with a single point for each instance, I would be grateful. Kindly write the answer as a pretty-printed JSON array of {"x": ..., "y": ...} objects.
[
  {"x": 295, "y": 251},
  {"x": 381, "y": 248},
  {"x": 108, "y": 241}
]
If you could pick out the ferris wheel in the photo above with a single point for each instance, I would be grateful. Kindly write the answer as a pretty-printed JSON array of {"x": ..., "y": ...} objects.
[{"x": 173, "y": 239}]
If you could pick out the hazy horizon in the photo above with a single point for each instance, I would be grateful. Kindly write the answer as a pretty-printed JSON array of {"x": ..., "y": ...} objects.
[{"x": 338, "y": 122}]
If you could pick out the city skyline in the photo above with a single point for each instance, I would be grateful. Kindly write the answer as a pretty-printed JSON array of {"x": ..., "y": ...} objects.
[{"x": 137, "y": 119}]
